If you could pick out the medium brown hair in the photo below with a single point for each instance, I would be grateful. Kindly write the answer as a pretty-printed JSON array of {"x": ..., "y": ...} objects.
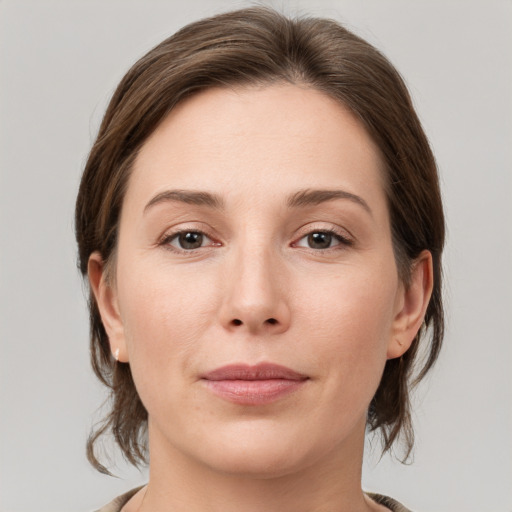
[{"x": 261, "y": 46}]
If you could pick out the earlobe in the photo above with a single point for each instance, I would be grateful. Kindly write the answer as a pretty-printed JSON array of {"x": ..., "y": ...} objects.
[
  {"x": 106, "y": 300},
  {"x": 413, "y": 305}
]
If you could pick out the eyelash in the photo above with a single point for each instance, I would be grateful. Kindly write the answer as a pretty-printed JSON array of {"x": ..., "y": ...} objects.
[
  {"x": 168, "y": 238},
  {"x": 343, "y": 240}
]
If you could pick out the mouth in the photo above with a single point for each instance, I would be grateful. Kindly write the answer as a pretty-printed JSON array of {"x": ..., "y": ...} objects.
[{"x": 253, "y": 385}]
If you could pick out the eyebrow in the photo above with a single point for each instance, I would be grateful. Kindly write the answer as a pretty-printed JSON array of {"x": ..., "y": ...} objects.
[
  {"x": 310, "y": 197},
  {"x": 307, "y": 197},
  {"x": 188, "y": 197}
]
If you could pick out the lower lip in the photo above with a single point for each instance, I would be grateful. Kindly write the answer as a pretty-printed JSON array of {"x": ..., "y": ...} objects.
[{"x": 253, "y": 392}]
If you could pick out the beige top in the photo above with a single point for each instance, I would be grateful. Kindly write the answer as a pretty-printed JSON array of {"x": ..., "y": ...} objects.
[{"x": 117, "y": 504}]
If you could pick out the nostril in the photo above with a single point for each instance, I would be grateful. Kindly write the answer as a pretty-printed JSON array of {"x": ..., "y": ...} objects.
[{"x": 269, "y": 321}]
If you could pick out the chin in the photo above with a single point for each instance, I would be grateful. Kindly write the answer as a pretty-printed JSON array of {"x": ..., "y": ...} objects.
[
  {"x": 259, "y": 452},
  {"x": 256, "y": 463}
]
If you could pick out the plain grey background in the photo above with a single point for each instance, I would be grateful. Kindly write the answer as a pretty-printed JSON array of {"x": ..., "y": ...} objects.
[{"x": 59, "y": 63}]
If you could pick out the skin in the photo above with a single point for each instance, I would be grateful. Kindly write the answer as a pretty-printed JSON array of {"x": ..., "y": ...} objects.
[{"x": 257, "y": 290}]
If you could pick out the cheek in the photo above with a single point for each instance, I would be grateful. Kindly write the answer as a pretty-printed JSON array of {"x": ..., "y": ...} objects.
[
  {"x": 350, "y": 324},
  {"x": 164, "y": 314},
  {"x": 354, "y": 307}
]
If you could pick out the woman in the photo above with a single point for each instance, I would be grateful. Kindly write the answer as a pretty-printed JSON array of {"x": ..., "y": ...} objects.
[{"x": 261, "y": 225}]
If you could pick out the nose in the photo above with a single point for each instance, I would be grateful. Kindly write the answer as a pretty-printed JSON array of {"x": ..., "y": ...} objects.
[{"x": 255, "y": 298}]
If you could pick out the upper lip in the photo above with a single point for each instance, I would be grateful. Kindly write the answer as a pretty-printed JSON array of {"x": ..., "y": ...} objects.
[{"x": 262, "y": 371}]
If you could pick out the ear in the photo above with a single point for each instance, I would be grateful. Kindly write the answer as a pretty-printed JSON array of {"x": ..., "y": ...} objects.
[
  {"x": 411, "y": 305},
  {"x": 106, "y": 299}
]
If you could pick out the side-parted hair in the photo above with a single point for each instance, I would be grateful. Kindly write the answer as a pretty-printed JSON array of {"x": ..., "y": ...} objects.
[{"x": 259, "y": 46}]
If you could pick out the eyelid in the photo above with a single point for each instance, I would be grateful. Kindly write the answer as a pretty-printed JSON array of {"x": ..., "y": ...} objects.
[
  {"x": 343, "y": 235},
  {"x": 345, "y": 238},
  {"x": 172, "y": 233}
]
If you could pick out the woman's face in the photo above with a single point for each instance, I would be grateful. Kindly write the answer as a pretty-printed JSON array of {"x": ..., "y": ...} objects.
[{"x": 255, "y": 232}]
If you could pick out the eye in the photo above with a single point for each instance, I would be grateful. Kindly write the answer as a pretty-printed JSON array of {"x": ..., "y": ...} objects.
[
  {"x": 188, "y": 240},
  {"x": 321, "y": 240}
]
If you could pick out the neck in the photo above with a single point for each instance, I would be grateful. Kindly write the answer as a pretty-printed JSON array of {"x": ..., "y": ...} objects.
[{"x": 182, "y": 484}]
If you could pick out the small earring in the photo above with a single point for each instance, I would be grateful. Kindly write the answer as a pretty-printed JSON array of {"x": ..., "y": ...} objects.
[{"x": 116, "y": 354}]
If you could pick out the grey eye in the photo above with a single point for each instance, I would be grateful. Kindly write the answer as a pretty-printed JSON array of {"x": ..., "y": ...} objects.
[
  {"x": 189, "y": 240},
  {"x": 319, "y": 240}
]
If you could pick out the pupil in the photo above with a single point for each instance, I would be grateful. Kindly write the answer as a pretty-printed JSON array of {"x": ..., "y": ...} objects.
[
  {"x": 191, "y": 240},
  {"x": 319, "y": 240}
]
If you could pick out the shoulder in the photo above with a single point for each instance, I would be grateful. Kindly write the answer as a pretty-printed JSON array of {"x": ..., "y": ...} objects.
[
  {"x": 118, "y": 503},
  {"x": 388, "y": 502}
]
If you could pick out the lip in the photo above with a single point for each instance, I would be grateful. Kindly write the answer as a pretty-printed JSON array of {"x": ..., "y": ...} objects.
[{"x": 253, "y": 385}]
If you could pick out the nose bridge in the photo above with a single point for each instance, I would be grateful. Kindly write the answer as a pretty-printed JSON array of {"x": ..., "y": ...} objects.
[{"x": 254, "y": 297}]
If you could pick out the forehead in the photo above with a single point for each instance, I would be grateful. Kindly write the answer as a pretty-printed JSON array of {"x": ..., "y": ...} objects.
[{"x": 258, "y": 139}]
